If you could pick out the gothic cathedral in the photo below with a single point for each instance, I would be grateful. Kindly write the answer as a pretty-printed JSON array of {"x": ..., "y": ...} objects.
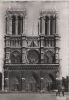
[{"x": 31, "y": 62}]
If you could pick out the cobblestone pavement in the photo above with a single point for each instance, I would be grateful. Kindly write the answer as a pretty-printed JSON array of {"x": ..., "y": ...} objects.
[
  {"x": 62, "y": 98},
  {"x": 32, "y": 96}
]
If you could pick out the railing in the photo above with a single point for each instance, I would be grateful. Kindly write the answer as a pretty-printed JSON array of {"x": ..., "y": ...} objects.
[{"x": 13, "y": 42}]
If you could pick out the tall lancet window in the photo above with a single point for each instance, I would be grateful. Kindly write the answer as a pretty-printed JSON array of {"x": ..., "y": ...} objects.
[
  {"x": 20, "y": 24},
  {"x": 52, "y": 25},
  {"x": 15, "y": 22},
  {"x": 13, "y": 25},
  {"x": 48, "y": 24}
]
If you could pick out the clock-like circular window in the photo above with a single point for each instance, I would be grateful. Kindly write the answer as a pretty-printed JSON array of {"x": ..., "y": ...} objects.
[{"x": 33, "y": 57}]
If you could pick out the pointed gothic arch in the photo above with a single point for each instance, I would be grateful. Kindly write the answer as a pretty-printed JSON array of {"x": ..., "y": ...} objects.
[
  {"x": 49, "y": 57},
  {"x": 14, "y": 81},
  {"x": 15, "y": 57}
]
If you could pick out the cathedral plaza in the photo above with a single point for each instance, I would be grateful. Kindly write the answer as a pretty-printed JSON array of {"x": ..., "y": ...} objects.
[{"x": 32, "y": 96}]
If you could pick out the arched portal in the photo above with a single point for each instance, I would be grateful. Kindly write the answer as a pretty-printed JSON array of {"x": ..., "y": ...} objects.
[
  {"x": 46, "y": 82},
  {"x": 14, "y": 81},
  {"x": 31, "y": 81},
  {"x": 30, "y": 84},
  {"x": 14, "y": 84}
]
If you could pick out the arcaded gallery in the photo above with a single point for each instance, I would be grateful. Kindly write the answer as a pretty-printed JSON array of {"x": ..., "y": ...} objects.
[{"x": 32, "y": 45}]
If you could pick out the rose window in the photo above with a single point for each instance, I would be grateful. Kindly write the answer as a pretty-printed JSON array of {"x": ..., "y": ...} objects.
[{"x": 33, "y": 57}]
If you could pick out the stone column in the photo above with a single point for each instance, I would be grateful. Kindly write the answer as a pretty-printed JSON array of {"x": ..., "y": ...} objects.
[
  {"x": 68, "y": 83},
  {"x": 49, "y": 42},
  {"x": 2, "y": 79},
  {"x": 41, "y": 25},
  {"x": 8, "y": 81}
]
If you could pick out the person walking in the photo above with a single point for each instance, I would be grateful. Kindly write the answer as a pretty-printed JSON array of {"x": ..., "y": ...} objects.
[
  {"x": 63, "y": 90},
  {"x": 58, "y": 91}
]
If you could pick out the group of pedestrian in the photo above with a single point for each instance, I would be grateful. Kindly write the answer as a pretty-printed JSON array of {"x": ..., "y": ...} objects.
[{"x": 60, "y": 90}]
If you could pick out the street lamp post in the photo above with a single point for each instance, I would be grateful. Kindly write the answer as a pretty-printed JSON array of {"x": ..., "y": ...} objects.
[
  {"x": 42, "y": 82},
  {"x": 7, "y": 81},
  {"x": 23, "y": 79}
]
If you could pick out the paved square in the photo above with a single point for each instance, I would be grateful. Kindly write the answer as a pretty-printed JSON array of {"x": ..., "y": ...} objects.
[
  {"x": 61, "y": 98},
  {"x": 27, "y": 96},
  {"x": 32, "y": 96}
]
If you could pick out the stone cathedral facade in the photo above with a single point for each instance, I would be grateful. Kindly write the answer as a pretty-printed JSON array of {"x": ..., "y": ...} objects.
[
  {"x": 31, "y": 62},
  {"x": 35, "y": 44}
]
